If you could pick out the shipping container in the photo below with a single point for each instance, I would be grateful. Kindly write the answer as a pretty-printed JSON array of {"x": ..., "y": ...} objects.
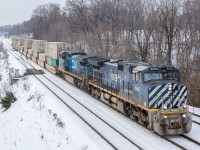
[
  {"x": 27, "y": 44},
  {"x": 34, "y": 59},
  {"x": 24, "y": 53},
  {"x": 29, "y": 56},
  {"x": 51, "y": 68},
  {"x": 30, "y": 51},
  {"x": 25, "y": 50},
  {"x": 20, "y": 42},
  {"x": 53, "y": 49},
  {"x": 42, "y": 57},
  {"x": 18, "y": 47},
  {"x": 22, "y": 48},
  {"x": 39, "y": 45},
  {"x": 35, "y": 53},
  {"x": 48, "y": 60},
  {"x": 20, "y": 51},
  {"x": 41, "y": 63},
  {"x": 15, "y": 42},
  {"x": 54, "y": 62}
]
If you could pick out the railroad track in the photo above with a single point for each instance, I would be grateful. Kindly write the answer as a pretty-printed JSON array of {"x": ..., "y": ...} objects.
[
  {"x": 184, "y": 142},
  {"x": 128, "y": 139},
  {"x": 195, "y": 115},
  {"x": 123, "y": 137}
]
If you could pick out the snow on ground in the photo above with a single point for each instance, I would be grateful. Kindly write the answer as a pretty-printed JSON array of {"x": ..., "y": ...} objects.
[
  {"x": 37, "y": 120},
  {"x": 194, "y": 110}
]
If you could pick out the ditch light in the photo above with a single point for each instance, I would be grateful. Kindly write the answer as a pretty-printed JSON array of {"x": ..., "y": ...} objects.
[{"x": 170, "y": 87}]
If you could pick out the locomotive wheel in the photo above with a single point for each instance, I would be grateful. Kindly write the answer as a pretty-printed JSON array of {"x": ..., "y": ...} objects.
[
  {"x": 76, "y": 82},
  {"x": 127, "y": 108},
  {"x": 98, "y": 94},
  {"x": 92, "y": 92}
]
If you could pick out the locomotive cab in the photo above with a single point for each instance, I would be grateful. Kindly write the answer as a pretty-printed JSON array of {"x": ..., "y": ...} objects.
[{"x": 169, "y": 97}]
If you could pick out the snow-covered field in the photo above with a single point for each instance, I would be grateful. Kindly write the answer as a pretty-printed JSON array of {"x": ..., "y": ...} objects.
[{"x": 39, "y": 120}]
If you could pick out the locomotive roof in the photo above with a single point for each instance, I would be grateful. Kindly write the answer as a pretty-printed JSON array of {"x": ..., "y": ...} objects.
[
  {"x": 98, "y": 61},
  {"x": 76, "y": 53},
  {"x": 113, "y": 62},
  {"x": 139, "y": 68},
  {"x": 85, "y": 58}
]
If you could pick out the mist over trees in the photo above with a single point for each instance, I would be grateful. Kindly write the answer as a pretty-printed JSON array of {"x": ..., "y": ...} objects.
[{"x": 160, "y": 32}]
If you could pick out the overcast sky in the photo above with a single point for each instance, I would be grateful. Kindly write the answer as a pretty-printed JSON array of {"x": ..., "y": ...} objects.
[{"x": 17, "y": 11}]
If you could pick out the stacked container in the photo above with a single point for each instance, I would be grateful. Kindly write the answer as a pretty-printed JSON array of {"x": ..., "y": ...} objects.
[
  {"x": 38, "y": 46},
  {"x": 42, "y": 59},
  {"x": 29, "y": 54},
  {"x": 27, "y": 46},
  {"x": 15, "y": 41},
  {"x": 21, "y": 45},
  {"x": 52, "y": 54}
]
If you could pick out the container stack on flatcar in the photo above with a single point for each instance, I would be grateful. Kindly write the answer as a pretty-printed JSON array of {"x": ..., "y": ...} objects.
[
  {"x": 29, "y": 53},
  {"x": 38, "y": 46},
  {"x": 53, "y": 50},
  {"x": 21, "y": 45},
  {"x": 27, "y": 46},
  {"x": 42, "y": 59},
  {"x": 15, "y": 42}
]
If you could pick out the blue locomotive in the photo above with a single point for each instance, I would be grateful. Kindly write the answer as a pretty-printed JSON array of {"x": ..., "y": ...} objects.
[{"x": 151, "y": 95}]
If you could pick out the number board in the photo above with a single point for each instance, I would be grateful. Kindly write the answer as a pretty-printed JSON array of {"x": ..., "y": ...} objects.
[{"x": 154, "y": 69}]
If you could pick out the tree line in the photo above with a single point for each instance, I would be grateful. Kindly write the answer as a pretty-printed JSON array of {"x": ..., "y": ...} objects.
[{"x": 165, "y": 32}]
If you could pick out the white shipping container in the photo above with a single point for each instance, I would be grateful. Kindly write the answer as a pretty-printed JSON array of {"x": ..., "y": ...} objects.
[
  {"x": 41, "y": 63},
  {"x": 34, "y": 59},
  {"x": 53, "y": 48},
  {"x": 42, "y": 56},
  {"x": 29, "y": 56},
  {"x": 35, "y": 54},
  {"x": 21, "y": 41},
  {"x": 30, "y": 51},
  {"x": 24, "y": 53},
  {"x": 22, "y": 48},
  {"x": 25, "y": 50},
  {"x": 48, "y": 60},
  {"x": 39, "y": 45},
  {"x": 27, "y": 43}
]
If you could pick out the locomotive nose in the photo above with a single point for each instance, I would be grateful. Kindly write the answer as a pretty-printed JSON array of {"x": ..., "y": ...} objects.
[{"x": 168, "y": 95}]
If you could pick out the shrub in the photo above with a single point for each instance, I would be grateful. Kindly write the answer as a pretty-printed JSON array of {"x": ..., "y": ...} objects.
[{"x": 8, "y": 100}]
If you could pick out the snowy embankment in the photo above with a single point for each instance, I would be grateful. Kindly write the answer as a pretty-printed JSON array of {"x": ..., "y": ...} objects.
[{"x": 37, "y": 120}]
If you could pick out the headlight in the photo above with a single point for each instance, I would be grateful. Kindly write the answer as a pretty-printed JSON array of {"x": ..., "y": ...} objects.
[
  {"x": 184, "y": 106},
  {"x": 184, "y": 115},
  {"x": 165, "y": 116},
  {"x": 164, "y": 107},
  {"x": 169, "y": 87}
]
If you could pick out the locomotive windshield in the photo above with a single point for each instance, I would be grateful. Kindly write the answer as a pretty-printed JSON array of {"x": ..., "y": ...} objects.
[
  {"x": 152, "y": 76},
  {"x": 160, "y": 76}
]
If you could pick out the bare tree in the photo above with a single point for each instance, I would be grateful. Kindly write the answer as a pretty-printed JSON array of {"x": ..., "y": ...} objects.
[{"x": 169, "y": 25}]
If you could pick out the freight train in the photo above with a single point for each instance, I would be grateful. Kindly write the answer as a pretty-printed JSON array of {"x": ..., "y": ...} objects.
[{"x": 151, "y": 95}]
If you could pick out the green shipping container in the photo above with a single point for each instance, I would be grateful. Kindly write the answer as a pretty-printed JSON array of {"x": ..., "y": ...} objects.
[{"x": 54, "y": 62}]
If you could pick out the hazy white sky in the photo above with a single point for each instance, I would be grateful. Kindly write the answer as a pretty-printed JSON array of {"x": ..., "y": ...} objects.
[{"x": 17, "y": 11}]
